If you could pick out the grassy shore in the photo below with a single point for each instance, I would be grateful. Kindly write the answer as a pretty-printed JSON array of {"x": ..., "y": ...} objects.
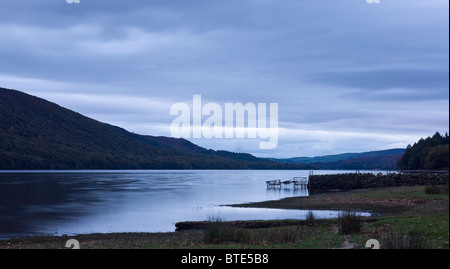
[{"x": 403, "y": 217}]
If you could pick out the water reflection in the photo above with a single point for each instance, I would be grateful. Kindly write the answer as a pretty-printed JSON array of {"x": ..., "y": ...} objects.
[
  {"x": 288, "y": 191},
  {"x": 29, "y": 201}
]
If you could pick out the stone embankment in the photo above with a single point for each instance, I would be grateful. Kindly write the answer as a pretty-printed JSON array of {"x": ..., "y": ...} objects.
[{"x": 368, "y": 180}]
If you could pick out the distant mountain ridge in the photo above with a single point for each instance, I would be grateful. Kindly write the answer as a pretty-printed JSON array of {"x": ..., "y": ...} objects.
[
  {"x": 372, "y": 160},
  {"x": 38, "y": 134}
]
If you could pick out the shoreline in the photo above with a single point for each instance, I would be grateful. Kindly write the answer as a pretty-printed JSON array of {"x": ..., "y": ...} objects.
[{"x": 392, "y": 204}]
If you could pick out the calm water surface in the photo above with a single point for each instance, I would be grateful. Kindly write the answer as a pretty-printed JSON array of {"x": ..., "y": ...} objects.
[{"x": 73, "y": 202}]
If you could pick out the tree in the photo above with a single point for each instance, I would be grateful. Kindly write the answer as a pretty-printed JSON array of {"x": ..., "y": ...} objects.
[{"x": 429, "y": 153}]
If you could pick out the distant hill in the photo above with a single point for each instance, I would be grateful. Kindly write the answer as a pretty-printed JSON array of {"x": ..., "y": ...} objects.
[
  {"x": 38, "y": 134},
  {"x": 373, "y": 160}
]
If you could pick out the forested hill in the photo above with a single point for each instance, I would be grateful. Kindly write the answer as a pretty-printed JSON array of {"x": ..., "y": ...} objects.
[
  {"x": 38, "y": 134},
  {"x": 431, "y": 153}
]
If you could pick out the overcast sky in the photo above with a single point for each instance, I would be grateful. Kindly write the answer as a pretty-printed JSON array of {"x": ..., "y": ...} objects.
[{"x": 348, "y": 76}]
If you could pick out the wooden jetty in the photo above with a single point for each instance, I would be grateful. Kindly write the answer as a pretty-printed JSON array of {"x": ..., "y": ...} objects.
[
  {"x": 300, "y": 181},
  {"x": 276, "y": 182},
  {"x": 297, "y": 181}
]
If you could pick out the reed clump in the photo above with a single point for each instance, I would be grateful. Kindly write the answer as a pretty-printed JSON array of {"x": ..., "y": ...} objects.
[
  {"x": 219, "y": 231},
  {"x": 414, "y": 239},
  {"x": 310, "y": 219},
  {"x": 437, "y": 189},
  {"x": 349, "y": 222}
]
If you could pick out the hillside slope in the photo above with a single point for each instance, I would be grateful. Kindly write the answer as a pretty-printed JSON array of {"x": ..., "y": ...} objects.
[{"x": 38, "y": 134}]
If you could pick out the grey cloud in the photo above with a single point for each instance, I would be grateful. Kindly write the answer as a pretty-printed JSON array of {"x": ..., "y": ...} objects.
[
  {"x": 386, "y": 79},
  {"x": 399, "y": 95}
]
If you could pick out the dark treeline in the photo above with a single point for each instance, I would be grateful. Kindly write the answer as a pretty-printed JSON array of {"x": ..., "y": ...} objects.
[{"x": 431, "y": 153}]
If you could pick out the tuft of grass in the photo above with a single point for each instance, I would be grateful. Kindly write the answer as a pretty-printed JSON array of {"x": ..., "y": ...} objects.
[
  {"x": 414, "y": 239},
  {"x": 437, "y": 189},
  {"x": 220, "y": 232},
  {"x": 310, "y": 219},
  {"x": 350, "y": 222}
]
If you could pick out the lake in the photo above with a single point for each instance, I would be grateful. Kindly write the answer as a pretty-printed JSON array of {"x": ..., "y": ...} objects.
[{"x": 75, "y": 202}]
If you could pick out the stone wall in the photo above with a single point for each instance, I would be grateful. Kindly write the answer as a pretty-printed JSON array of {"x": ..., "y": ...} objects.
[{"x": 368, "y": 180}]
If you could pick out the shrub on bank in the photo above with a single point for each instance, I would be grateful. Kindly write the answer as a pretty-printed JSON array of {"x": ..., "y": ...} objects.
[
  {"x": 310, "y": 219},
  {"x": 349, "y": 222}
]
